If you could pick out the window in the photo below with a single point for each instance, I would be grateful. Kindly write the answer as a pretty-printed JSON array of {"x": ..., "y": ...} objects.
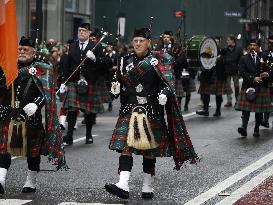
[{"x": 70, "y": 5}]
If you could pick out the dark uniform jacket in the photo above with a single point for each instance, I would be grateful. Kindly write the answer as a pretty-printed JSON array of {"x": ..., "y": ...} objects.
[
  {"x": 33, "y": 95},
  {"x": 90, "y": 70},
  {"x": 248, "y": 69},
  {"x": 148, "y": 86}
]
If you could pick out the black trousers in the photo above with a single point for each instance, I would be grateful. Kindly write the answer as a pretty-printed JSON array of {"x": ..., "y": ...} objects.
[{"x": 33, "y": 162}]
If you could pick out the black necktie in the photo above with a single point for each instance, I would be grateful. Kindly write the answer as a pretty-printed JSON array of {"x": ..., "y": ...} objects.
[
  {"x": 254, "y": 58},
  {"x": 82, "y": 46}
]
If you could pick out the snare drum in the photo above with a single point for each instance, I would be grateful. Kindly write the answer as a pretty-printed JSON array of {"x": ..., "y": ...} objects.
[{"x": 201, "y": 52}]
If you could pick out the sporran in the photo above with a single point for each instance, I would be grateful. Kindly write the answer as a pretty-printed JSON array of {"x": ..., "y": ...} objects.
[{"x": 140, "y": 135}]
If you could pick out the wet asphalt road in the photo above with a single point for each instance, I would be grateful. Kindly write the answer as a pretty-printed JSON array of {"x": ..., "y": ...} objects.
[{"x": 222, "y": 152}]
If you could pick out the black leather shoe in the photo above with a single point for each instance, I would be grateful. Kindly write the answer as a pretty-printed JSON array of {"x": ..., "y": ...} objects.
[
  {"x": 229, "y": 104},
  {"x": 147, "y": 195},
  {"x": 28, "y": 190},
  {"x": 217, "y": 114},
  {"x": 186, "y": 108},
  {"x": 68, "y": 141},
  {"x": 89, "y": 140},
  {"x": 62, "y": 127},
  {"x": 113, "y": 189},
  {"x": 242, "y": 131},
  {"x": 265, "y": 124},
  {"x": 2, "y": 190},
  {"x": 256, "y": 134},
  {"x": 202, "y": 112}
]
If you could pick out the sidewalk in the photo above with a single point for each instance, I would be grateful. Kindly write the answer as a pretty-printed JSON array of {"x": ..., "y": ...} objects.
[{"x": 260, "y": 195}]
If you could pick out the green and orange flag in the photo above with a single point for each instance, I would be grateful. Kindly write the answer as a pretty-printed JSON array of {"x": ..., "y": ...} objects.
[{"x": 8, "y": 40}]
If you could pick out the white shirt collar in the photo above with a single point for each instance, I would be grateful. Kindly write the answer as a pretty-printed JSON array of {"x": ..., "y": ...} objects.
[{"x": 85, "y": 42}]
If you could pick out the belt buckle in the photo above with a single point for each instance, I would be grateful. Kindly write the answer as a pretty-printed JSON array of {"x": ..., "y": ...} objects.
[{"x": 141, "y": 100}]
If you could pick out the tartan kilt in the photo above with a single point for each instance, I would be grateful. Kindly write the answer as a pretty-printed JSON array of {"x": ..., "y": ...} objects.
[
  {"x": 179, "y": 88},
  {"x": 118, "y": 141},
  {"x": 261, "y": 104},
  {"x": 189, "y": 85},
  {"x": 217, "y": 87},
  {"x": 103, "y": 92},
  {"x": 35, "y": 139},
  {"x": 89, "y": 102}
]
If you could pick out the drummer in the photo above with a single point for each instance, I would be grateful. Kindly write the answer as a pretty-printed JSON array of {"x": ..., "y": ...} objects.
[{"x": 213, "y": 82}]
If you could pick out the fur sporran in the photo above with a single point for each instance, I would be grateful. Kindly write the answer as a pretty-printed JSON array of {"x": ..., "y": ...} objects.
[
  {"x": 140, "y": 135},
  {"x": 17, "y": 140},
  {"x": 82, "y": 87},
  {"x": 250, "y": 94}
]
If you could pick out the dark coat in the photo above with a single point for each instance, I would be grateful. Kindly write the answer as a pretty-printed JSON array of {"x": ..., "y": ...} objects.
[
  {"x": 231, "y": 57},
  {"x": 89, "y": 69},
  {"x": 249, "y": 70}
]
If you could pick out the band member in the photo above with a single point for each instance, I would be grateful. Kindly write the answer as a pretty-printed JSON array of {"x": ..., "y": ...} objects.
[
  {"x": 141, "y": 128},
  {"x": 255, "y": 92},
  {"x": 21, "y": 130},
  {"x": 181, "y": 76},
  {"x": 112, "y": 54},
  {"x": 180, "y": 65},
  {"x": 82, "y": 91},
  {"x": 166, "y": 47},
  {"x": 213, "y": 82},
  {"x": 267, "y": 62},
  {"x": 63, "y": 65}
]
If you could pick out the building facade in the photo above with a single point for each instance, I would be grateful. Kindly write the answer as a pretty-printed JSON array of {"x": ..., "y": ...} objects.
[
  {"x": 199, "y": 17},
  {"x": 57, "y": 19},
  {"x": 259, "y": 19}
]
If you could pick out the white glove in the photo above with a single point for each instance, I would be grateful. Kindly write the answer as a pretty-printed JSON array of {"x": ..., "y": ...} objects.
[
  {"x": 162, "y": 99},
  {"x": 91, "y": 55},
  {"x": 115, "y": 88},
  {"x": 30, "y": 109},
  {"x": 63, "y": 88}
]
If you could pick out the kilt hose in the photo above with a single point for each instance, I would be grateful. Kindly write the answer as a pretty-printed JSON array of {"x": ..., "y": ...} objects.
[
  {"x": 91, "y": 102},
  {"x": 118, "y": 141},
  {"x": 261, "y": 104},
  {"x": 35, "y": 138},
  {"x": 216, "y": 87},
  {"x": 179, "y": 88}
]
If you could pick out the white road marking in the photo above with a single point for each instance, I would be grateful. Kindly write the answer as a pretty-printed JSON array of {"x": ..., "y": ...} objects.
[
  {"x": 13, "y": 201},
  {"x": 189, "y": 114},
  {"x": 82, "y": 138},
  {"x": 230, "y": 181},
  {"x": 247, "y": 187},
  {"x": 75, "y": 203}
]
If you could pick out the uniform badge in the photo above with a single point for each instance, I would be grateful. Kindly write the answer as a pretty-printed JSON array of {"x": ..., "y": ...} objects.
[
  {"x": 154, "y": 62},
  {"x": 32, "y": 70},
  {"x": 139, "y": 88},
  {"x": 129, "y": 67}
]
